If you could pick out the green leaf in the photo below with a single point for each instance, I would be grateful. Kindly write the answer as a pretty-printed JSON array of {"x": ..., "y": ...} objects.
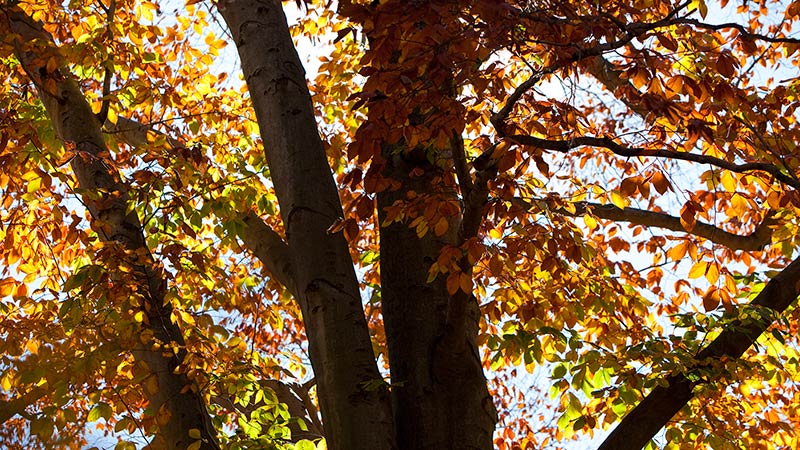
[
  {"x": 304, "y": 444},
  {"x": 100, "y": 411}
]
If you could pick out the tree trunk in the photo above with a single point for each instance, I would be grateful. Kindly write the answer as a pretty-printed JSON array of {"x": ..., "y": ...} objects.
[
  {"x": 356, "y": 414},
  {"x": 439, "y": 392},
  {"x": 107, "y": 201}
]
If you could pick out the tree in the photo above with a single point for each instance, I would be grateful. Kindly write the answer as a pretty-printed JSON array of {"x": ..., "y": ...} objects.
[{"x": 179, "y": 246}]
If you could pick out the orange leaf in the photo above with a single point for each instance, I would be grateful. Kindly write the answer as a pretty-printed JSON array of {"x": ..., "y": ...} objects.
[
  {"x": 452, "y": 283},
  {"x": 711, "y": 299}
]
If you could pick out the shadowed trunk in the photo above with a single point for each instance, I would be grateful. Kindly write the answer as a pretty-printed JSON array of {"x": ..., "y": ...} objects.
[{"x": 439, "y": 392}]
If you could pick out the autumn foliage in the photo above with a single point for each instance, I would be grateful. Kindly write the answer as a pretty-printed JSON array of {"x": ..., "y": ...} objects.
[{"x": 462, "y": 225}]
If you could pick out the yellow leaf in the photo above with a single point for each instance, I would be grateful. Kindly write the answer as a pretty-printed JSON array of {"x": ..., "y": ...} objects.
[
  {"x": 590, "y": 221},
  {"x": 728, "y": 181},
  {"x": 618, "y": 199},
  {"x": 678, "y": 252},
  {"x": 5, "y": 382},
  {"x": 194, "y": 445},
  {"x": 739, "y": 205},
  {"x": 712, "y": 274},
  {"x": 186, "y": 317},
  {"x": 745, "y": 389},
  {"x": 146, "y": 10},
  {"x": 698, "y": 269},
  {"x": 194, "y": 433},
  {"x": 32, "y": 346}
]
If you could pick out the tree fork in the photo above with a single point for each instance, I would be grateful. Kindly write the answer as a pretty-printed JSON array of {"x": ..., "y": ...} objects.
[{"x": 356, "y": 415}]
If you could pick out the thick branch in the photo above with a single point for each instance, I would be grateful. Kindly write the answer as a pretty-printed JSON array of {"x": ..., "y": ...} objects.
[
  {"x": 752, "y": 242},
  {"x": 16, "y": 405},
  {"x": 629, "y": 152},
  {"x": 270, "y": 249},
  {"x": 107, "y": 200},
  {"x": 663, "y": 402},
  {"x": 323, "y": 273},
  {"x": 137, "y": 134},
  {"x": 475, "y": 193}
]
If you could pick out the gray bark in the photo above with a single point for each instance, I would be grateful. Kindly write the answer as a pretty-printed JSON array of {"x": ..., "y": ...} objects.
[{"x": 356, "y": 415}]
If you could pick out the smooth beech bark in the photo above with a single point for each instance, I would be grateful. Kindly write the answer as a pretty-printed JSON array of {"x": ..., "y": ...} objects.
[{"x": 356, "y": 414}]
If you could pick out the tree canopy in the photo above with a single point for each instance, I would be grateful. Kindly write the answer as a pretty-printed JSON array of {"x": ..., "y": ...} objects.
[{"x": 388, "y": 224}]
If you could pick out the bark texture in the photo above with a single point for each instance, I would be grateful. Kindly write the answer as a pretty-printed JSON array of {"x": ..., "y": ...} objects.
[
  {"x": 356, "y": 415},
  {"x": 106, "y": 198},
  {"x": 439, "y": 392},
  {"x": 662, "y": 403}
]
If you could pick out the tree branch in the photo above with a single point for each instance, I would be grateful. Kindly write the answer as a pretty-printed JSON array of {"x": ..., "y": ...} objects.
[
  {"x": 604, "y": 72},
  {"x": 267, "y": 245},
  {"x": 108, "y": 63},
  {"x": 631, "y": 31},
  {"x": 137, "y": 134},
  {"x": 663, "y": 402},
  {"x": 270, "y": 248},
  {"x": 107, "y": 201},
  {"x": 460, "y": 163},
  {"x": 13, "y": 406},
  {"x": 735, "y": 26},
  {"x": 475, "y": 193},
  {"x": 338, "y": 335},
  {"x": 629, "y": 152},
  {"x": 755, "y": 241}
]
